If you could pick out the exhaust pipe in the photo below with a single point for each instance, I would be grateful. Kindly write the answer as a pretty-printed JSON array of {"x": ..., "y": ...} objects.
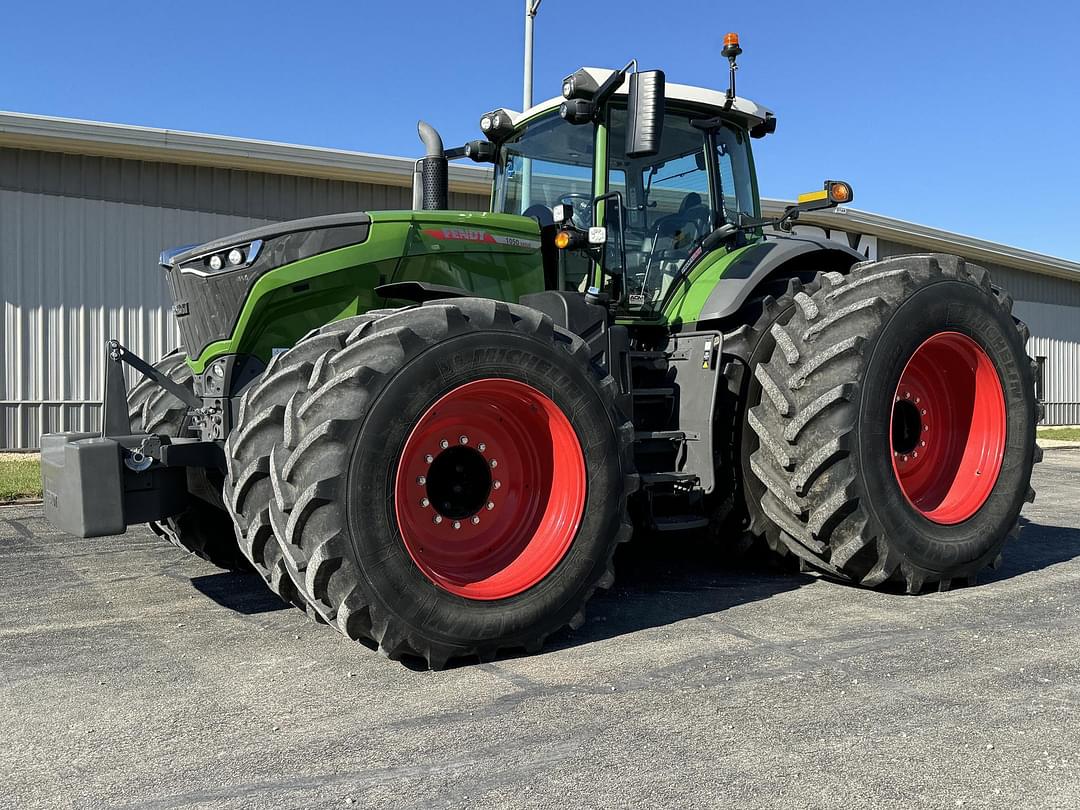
[{"x": 430, "y": 181}]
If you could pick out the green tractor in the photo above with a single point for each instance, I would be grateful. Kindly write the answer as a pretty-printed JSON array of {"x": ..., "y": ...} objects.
[{"x": 431, "y": 429}]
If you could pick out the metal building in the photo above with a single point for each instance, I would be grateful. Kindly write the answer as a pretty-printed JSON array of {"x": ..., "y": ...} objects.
[{"x": 85, "y": 209}]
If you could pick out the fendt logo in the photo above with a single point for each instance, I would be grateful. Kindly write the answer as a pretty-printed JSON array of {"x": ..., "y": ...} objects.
[{"x": 482, "y": 237}]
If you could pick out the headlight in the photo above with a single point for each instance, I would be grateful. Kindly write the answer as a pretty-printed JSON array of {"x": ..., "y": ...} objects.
[{"x": 229, "y": 259}]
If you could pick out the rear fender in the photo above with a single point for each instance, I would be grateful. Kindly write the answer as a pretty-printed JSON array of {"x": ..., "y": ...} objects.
[{"x": 774, "y": 257}]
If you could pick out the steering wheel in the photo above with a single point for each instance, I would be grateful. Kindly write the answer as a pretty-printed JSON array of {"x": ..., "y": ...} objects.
[{"x": 581, "y": 204}]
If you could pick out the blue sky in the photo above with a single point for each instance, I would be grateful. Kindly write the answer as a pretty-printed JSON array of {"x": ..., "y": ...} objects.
[{"x": 960, "y": 115}]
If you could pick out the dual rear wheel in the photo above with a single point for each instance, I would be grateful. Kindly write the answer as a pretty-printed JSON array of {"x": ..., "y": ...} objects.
[
  {"x": 449, "y": 480},
  {"x": 895, "y": 426}
]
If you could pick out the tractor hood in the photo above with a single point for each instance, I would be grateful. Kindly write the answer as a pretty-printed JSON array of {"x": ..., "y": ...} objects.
[{"x": 257, "y": 290}]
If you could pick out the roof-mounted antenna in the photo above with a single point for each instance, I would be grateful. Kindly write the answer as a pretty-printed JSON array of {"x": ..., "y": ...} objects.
[{"x": 731, "y": 51}]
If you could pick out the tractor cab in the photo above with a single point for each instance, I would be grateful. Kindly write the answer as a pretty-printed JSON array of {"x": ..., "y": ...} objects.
[
  {"x": 643, "y": 187},
  {"x": 580, "y": 163}
]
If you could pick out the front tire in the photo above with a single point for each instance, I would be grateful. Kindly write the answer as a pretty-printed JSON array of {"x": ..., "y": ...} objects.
[
  {"x": 204, "y": 528},
  {"x": 853, "y": 403},
  {"x": 401, "y": 531}
]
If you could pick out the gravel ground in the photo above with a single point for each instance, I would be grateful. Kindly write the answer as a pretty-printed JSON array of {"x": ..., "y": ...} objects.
[{"x": 134, "y": 676}]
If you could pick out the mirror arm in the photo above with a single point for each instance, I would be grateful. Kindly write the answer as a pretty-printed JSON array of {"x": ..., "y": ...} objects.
[{"x": 613, "y": 83}]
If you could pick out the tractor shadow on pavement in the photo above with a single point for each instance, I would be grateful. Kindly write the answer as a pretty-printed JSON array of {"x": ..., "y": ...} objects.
[
  {"x": 1039, "y": 546},
  {"x": 667, "y": 579},
  {"x": 240, "y": 591},
  {"x": 663, "y": 580}
]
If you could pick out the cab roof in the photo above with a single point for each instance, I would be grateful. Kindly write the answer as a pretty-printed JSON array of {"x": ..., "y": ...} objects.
[{"x": 716, "y": 100}]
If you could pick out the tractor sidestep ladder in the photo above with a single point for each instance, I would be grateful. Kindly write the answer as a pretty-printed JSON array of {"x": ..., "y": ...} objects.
[{"x": 673, "y": 392}]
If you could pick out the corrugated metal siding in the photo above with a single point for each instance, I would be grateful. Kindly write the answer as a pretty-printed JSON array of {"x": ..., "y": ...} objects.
[
  {"x": 1055, "y": 336},
  {"x": 1051, "y": 308},
  {"x": 79, "y": 242}
]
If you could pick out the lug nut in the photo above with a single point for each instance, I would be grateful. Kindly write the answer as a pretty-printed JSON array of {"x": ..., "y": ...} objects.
[
  {"x": 481, "y": 447},
  {"x": 424, "y": 502},
  {"x": 437, "y": 520},
  {"x": 494, "y": 463},
  {"x": 463, "y": 439},
  {"x": 496, "y": 484},
  {"x": 421, "y": 480},
  {"x": 475, "y": 519},
  {"x": 429, "y": 458},
  {"x": 444, "y": 444},
  {"x": 490, "y": 506},
  {"x": 457, "y": 524}
]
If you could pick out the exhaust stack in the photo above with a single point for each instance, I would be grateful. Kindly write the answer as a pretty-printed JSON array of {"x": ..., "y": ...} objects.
[{"x": 430, "y": 182}]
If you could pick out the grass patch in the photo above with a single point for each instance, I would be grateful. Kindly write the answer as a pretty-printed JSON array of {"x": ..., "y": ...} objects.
[
  {"x": 20, "y": 477},
  {"x": 1060, "y": 434}
]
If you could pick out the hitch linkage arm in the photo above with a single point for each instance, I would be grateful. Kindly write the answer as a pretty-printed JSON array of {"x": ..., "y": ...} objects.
[{"x": 115, "y": 420}]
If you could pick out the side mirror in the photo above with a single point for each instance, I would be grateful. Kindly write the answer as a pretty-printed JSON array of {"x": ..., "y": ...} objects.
[{"x": 645, "y": 113}]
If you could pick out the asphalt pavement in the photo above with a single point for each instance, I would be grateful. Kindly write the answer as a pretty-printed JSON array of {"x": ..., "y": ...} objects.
[{"x": 135, "y": 676}]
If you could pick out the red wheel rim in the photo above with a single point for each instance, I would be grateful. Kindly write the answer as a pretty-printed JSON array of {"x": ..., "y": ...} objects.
[
  {"x": 490, "y": 489},
  {"x": 948, "y": 429}
]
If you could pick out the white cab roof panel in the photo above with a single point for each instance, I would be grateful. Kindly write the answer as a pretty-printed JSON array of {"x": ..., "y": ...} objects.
[{"x": 715, "y": 99}]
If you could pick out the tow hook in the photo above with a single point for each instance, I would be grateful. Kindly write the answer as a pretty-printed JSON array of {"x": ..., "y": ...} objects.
[{"x": 140, "y": 459}]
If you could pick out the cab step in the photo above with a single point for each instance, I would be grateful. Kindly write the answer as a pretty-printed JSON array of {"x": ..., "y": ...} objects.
[
  {"x": 679, "y": 523},
  {"x": 659, "y": 435},
  {"x": 653, "y": 360},
  {"x": 654, "y": 393},
  {"x": 650, "y": 479}
]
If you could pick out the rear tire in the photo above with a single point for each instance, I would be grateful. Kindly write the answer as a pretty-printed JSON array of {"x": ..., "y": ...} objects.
[
  {"x": 740, "y": 520},
  {"x": 831, "y": 424},
  {"x": 204, "y": 527},
  {"x": 372, "y": 544}
]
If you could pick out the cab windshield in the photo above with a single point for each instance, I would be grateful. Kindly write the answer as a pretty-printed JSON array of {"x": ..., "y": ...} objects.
[
  {"x": 701, "y": 178},
  {"x": 547, "y": 163},
  {"x": 544, "y": 164}
]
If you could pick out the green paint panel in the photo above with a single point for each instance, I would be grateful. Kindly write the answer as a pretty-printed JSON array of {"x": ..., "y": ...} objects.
[
  {"x": 689, "y": 298},
  {"x": 495, "y": 255}
]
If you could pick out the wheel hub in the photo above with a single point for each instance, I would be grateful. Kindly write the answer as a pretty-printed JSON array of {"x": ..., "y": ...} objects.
[{"x": 458, "y": 481}]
